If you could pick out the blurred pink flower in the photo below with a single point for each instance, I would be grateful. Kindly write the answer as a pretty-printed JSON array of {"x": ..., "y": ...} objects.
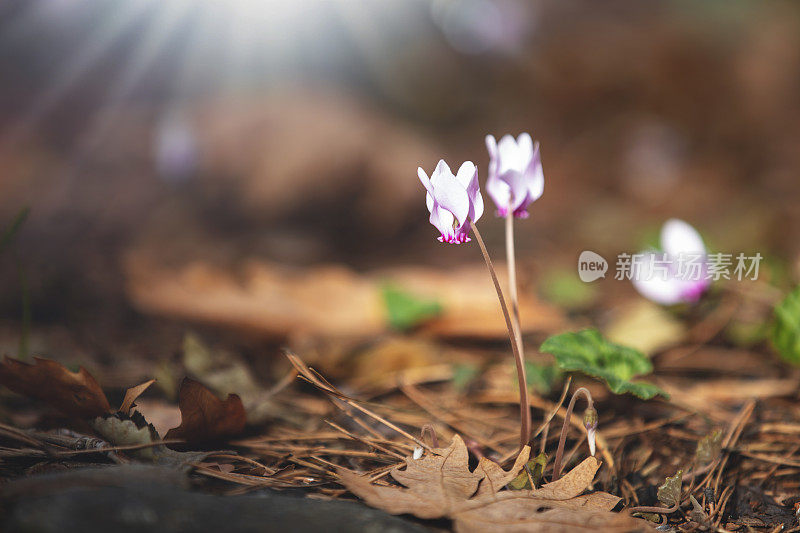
[
  {"x": 515, "y": 173},
  {"x": 683, "y": 267},
  {"x": 453, "y": 200}
]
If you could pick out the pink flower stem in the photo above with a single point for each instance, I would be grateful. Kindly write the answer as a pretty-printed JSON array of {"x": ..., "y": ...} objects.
[
  {"x": 512, "y": 281},
  {"x": 512, "y": 277},
  {"x": 524, "y": 405},
  {"x": 565, "y": 428}
]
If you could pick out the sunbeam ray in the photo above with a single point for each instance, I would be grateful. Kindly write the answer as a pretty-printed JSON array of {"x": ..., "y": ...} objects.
[
  {"x": 93, "y": 50},
  {"x": 147, "y": 50},
  {"x": 151, "y": 42}
]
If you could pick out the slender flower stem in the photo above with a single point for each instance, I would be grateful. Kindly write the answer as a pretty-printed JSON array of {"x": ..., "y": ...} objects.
[
  {"x": 524, "y": 405},
  {"x": 512, "y": 280},
  {"x": 565, "y": 428}
]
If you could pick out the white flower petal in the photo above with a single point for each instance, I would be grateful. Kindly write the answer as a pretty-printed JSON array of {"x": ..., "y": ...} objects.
[
  {"x": 441, "y": 167},
  {"x": 477, "y": 205},
  {"x": 491, "y": 146},
  {"x": 652, "y": 285},
  {"x": 678, "y": 237},
  {"x": 525, "y": 144},
  {"x": 467, "y": 173},
  {"x": 442, "y": 219},
  {"x": 426, "y": 182},
  {"x": 518, "y": 183},
  {"x": 499, "y": 191},
  {"x": 536, "y": 176},
  {"x": 511, "y": 156},
  {"x": 448, "y": 192}
]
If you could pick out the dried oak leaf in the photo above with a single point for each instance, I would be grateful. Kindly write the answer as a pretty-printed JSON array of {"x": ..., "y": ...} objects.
[
  {"x": 440, "y": 484},
  {"x": 204, "y": 417},
  {"x": 536, "y": 514},
  {"x": 76, "y": 394}
]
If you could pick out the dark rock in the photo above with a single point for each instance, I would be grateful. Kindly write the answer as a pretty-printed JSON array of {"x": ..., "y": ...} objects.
[{"x": 134, "y": 499}]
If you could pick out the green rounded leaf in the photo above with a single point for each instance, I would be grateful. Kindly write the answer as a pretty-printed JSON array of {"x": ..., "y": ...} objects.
[
  {"x": 588, "y": 352},
  {"x": 786, "y": 331}
]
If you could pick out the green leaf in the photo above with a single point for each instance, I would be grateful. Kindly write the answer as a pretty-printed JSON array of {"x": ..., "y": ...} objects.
[
  {"x": 536, "y": 468},
  {"x": 463, "y": 375},
  {"x": 541, "y": 378},
  {"x": 588, "y": 352},
  {"x": 642, "y": 389},
  {"x": 670, "y": 492},
  {"x": 786, "y": 331},
  {"x": 406, "y": 310}
]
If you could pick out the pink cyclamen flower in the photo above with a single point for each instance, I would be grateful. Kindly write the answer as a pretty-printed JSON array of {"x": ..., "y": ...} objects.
[
  {"x": 453, "y": 200},
  {"x": 679, "y": 273},
  {"x": 515, "y": 178}
]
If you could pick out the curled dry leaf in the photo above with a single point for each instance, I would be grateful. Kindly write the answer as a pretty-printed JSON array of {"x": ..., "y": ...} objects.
[
  {"x": 161, "y": 414},
  {"x": 670, "y": 492},
  {"x": 440, "y": 484},
  {"x": 494, "y": 477},
  {"x": 132, "y": 394},
  {"x": 76, "y": 394},
  {"x": 709, "y": 447},
  {"x": 536, "y": 469},
  {"x": 204, "y": 417},
  {"x": 123, "y": 430}
]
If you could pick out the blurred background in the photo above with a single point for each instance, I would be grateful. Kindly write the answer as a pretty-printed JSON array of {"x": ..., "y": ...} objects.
[{"x": 249, "y": 166}]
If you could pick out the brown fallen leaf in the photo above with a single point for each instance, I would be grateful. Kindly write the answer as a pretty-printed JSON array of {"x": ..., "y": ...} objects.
[
  {"x": 473, "y": 313},
  {"x": 132, "y": 394},
  {"x": 535, "y": 514},
  {"x": 332, "y": 300},
  {"x": 163, "y": 415},
  {"x": 494, "y": 477},
  {"x": 122, "y": 430},
  {"x": 595, "y": 500},
  {"x": 204, "y": 417},
  {"x": 440, "y": 484},
  {"x": 76, "y": 394}
]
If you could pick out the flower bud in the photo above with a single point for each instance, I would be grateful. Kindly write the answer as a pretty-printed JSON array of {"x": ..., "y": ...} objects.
[{"x": 590, "y": 422}]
